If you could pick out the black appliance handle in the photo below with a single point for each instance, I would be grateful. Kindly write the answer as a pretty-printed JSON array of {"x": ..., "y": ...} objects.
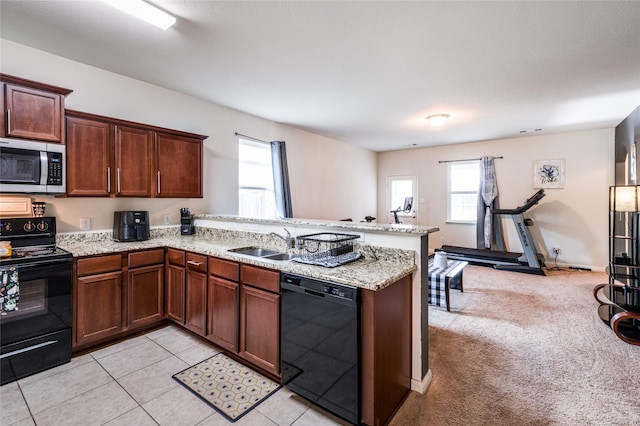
[
  {"x": 313, "y": 293},
  {"x": 299, "y": 287},
  {"x": 39, "y": 263}
]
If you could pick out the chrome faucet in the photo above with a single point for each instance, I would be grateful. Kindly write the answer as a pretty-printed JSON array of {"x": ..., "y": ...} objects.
[{"x": 287, "y": 240}]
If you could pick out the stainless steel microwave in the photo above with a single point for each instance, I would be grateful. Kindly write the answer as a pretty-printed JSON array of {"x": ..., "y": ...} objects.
[{"x": 32, "y": 167}]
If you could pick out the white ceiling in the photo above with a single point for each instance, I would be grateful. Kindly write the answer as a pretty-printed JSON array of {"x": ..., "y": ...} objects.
[{"x": 367, "y": 73}]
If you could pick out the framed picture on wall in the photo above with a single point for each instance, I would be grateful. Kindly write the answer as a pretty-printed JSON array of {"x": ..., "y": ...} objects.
[{"x": 548, "y": 174}]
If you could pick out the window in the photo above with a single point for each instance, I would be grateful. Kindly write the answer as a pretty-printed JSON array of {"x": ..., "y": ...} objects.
[
  {"x": 464, "y": 182},
  {"x": 255, "y": 180},
  {"x": 401, "y": 187}
]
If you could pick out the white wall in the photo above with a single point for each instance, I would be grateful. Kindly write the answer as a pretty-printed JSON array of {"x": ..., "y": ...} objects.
[
  {"x": 573, "y": 218},
  {"x": 329, "y": 179}
]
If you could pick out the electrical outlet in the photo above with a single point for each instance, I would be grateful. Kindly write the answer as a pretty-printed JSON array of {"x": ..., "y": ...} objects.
[
  {"x": 85, "y": 223},
  {"x": 167, "y": 219},
  {"x": 557, "y": 251}
]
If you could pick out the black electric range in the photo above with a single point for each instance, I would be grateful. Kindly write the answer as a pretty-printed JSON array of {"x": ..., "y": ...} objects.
[{"x": 36, "y": 303}]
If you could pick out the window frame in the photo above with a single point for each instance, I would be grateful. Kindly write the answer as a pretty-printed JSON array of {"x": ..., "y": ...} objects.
[
  {"x": 450, "y": 166},
  {"x": 414, "y": 193},
  {"x": 265, "y": 189}
]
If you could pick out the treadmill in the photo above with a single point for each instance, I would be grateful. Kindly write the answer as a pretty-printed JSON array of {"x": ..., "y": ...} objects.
[{"x": 530, "y": 262}]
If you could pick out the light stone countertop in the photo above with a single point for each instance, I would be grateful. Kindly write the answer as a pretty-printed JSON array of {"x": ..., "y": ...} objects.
[
  {"x": 318, "y": 223},
  {"x": 378, "y": 268}
]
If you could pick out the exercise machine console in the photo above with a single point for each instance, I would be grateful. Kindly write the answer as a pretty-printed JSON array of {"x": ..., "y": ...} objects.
[
  {"x": 530, "y": 261},
  {"x": 408, "y": 205}
]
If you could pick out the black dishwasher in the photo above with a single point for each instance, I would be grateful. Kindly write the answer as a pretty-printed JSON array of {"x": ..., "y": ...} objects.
[{"x": 320, "y": 343}]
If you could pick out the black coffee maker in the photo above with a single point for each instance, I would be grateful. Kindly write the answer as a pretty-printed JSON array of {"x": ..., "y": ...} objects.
[
  {"x": 186, "y": 222},
  {"x": 130, "y": 226}
]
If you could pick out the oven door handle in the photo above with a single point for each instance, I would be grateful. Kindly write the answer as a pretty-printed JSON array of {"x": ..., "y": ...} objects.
[
  {"x": 30, "y": 348},
  {"x": 41, "y": 263}
]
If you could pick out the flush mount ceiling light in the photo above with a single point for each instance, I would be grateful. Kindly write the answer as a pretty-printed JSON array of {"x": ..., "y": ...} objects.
[
  {"x": 530, "y": 130},
  {"x": 144, "y": 11},
  {"x": 437, "y": 119}
]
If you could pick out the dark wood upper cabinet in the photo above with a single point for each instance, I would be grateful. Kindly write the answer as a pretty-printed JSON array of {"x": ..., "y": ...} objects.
[
  {"x": 179, "y": 166},
  {"x": 32, "y": 110},
  {"x": 133, "y": 162},
  {"x": 118, "y": 158},
  {"x": 88, "y": 157}
]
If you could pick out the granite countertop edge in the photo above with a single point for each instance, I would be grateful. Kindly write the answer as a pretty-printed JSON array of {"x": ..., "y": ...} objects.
[
  {"x": 347, "y": 225},
  {"x": 367, "y": 273}
]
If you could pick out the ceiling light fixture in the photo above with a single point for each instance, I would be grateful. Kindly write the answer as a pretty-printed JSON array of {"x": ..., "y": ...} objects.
[
  {"x": 437, "y": 119},
  {"x": 530, "y": 130},
  {"x": 144, "y": 11}
]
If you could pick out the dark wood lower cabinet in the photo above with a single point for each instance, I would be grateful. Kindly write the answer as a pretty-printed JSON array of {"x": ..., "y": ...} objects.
[
  {"x": 386, "y": 350},
  {"x": 196, "y": 294},
  {"x": 146, "y": 289},
  {"x": 260, "y": 328},
  {"x": 223, "y": 313},
  {"x": 99, "y": 306},
  {"x": 116, "y": 294},
  {"x": 175, "y": 284}
]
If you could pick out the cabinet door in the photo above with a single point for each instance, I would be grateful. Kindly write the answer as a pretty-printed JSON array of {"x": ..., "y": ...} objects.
[
  {"x": 179, "y": 166},
  {"x": 33, "y": 113},
  {"x": 175, "y": 293},
  {"x": 99, "y": 306},
  {"x": 133, "y": 162},
  {"x": 196, "y": 299},
  {"x": 89, "y": 170},
  {"x": 145, "y": 295},
  {"x": 260, "y": 328},
  {"x": 223, "y": 315}
]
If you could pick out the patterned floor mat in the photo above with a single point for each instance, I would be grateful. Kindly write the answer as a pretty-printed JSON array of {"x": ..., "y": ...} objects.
[{"x": 228, "y": 386}]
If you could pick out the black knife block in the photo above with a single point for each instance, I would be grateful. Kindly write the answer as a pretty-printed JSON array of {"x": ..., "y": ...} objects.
[{"x": 186, "y": 223}]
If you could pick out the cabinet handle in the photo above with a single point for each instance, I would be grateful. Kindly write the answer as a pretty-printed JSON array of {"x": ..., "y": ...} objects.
[
  {"x": 9, "y": 121},
  {"x": 118, "y": 179},
  {"x": 158, "y": 181},
  {"x": 194, "y": 263},
  {"x": 109, "y": 179}
]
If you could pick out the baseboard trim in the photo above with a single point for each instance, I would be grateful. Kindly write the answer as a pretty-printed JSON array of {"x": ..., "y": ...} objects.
[{"x": 421, "y": 386}]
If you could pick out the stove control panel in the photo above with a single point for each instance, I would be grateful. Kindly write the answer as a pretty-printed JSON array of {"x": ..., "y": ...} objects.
[{"x": 19, "y": 226}]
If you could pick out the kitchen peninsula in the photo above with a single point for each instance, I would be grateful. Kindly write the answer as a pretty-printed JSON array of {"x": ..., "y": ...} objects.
[{"x": 390, "y": 274}]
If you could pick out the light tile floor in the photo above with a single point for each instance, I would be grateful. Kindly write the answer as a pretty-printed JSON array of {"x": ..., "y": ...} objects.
[{"x": 129, "y": 383}]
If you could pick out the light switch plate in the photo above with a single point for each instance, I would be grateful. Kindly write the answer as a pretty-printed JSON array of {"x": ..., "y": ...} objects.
[{"x": 85, "y": 223}]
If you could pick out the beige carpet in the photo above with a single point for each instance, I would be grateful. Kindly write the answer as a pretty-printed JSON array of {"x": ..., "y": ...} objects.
[{"x": 520, "y": 349}]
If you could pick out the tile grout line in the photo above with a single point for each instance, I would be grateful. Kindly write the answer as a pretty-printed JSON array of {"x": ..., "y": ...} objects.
[
  {"x": 172, "y": 355},
  {"x": 122, "y": 387},
  {"x": 25, "y": 402}
]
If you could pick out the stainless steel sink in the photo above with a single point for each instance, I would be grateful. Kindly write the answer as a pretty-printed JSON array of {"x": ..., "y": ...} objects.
[
  {"x": 263, "y": 253},
  {"x": 281, "y": 256},
  {"x": 255, "y": 251}
]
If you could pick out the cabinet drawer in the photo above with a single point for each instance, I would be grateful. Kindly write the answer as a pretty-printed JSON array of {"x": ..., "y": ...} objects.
[
  {"x": 196, "y": 262},
  {"x": 224, "y": 269},
  {"x": 145, "y": 258},
  {"x": 265, "y": 279},
  {"x": 99, "y": 264},
  {"x": 176, "y": 257}
]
